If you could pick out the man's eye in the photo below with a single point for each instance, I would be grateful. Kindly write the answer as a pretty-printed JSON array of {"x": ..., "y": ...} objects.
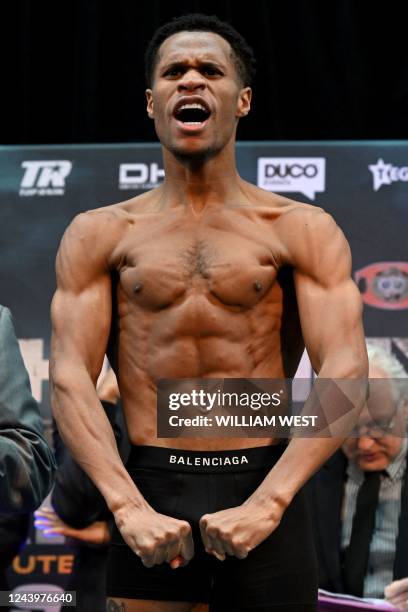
[
  {"x": 173, "y": 72},
  {"x": 211, "y": 71}
]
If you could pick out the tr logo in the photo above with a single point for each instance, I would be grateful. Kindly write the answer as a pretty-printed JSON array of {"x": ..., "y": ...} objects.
[{"x": 44, "y": 177}]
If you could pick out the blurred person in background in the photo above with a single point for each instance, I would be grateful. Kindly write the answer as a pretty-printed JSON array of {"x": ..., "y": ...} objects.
[
  {"x": 26, "y": 460},
  {"x": 359, "y": 498}
]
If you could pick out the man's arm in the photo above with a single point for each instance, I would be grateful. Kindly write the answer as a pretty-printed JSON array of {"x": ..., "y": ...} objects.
[
  {"x": 81, "y": 321},
  {"x": 330, "y": 310},
  {"x": 330, "y": 314},
  {"x": 75, "y": 498},
  {"x": 26, "y": 461}
]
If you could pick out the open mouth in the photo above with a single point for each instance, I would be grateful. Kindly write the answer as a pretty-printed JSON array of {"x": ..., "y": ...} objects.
[{"x": 192, "y": 114}]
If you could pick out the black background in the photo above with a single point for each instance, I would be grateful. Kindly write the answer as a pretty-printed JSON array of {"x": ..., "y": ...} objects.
[{"x": 72, "y": 70}]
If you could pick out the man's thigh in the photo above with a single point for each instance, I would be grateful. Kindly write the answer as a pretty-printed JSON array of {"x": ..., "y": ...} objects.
[{"x": 119, "y": 604}]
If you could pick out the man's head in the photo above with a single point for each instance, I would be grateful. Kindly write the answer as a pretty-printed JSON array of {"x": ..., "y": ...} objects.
[
  {"x": 198, "y": 71},
  {"x": 381, "y": 425}
]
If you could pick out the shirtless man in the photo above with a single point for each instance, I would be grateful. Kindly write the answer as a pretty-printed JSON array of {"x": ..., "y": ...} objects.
[{"x": 206, "y": 276}]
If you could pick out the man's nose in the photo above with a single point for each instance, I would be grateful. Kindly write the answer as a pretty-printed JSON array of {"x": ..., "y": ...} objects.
[
  {"x": 365, "y": 442},
  {"x": 191, "y": 81}
]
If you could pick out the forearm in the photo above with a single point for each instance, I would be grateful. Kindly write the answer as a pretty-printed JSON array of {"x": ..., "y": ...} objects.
[
  {"x": 336, "y": 403},
  {"x": 75, "y": 497},
  {"x": 301, "y": 459},
  {"x": 88, "y": 434}
]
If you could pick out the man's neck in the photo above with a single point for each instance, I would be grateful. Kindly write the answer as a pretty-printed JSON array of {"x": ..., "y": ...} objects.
[{"x": 201, "y": 184}]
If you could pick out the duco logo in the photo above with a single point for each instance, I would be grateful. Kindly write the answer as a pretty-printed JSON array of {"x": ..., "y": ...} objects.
[
  {"x": 292, "y": 174},
  {"x": 140, "y": 176},
  {"x": 44, "y": 177}
]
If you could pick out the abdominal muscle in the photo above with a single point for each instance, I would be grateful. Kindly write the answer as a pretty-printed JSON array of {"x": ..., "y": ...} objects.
[
  {"x": 197, "y": 338},
  {"x": 206, "y": 358}
]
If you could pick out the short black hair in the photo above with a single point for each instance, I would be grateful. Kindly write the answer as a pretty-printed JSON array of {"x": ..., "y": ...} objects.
[{"x": 243, "y": 55}]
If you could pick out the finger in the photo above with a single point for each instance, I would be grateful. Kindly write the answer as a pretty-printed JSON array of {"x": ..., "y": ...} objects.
[
  {"x": 216, "y": 546},
  {"x": 203, "y": 524},
  {"x": 42, "y": 517},
  {"x": 187, "y": 547},
  {"x": 396, "y": 588},
  {"x": 241, "y": 554},
  {"x": 42, "y": 526},
  {"x": 229, "y": 549},
  {"x": 47, "y": 521},
  {"x": 52, "y": 533},
  {"x": 398, "y": 601},
  {"x": 44, "y": 512},
  {"x": 220, "y": 557},
  {"x": 173, "y": 550},
  {"x": 147, "y": 560},
  {"x": 147, "y": 556},
  {"x": 41, "y": 522},
  {"x": 177, "y": 562},
  {"x": 160, "y": 554}
]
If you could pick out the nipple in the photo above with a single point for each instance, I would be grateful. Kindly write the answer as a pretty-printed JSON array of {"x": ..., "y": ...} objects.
[
  {"x": 257, "y": 286},
  {"x": 138, "y": 287}
]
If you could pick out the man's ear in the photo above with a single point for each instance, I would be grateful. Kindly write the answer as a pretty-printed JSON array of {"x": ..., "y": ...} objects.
[
  {"x": 149, "y": 98},
  {"x": 244, "y": 102}
]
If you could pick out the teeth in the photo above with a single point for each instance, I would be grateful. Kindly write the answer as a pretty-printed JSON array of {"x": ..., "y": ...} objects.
[
  {"x": 194, "y": 105},
  {"x": 192, "y": 122}
]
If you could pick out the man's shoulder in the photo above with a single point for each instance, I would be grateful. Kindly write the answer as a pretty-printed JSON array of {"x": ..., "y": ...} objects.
[
  {"x": 94, "y": 219},
  {"x": 303, "y": 216},
  {"x": 113, "y": 216},
  {"x": 286, "y": 208},
  {"x": 303, "y": 227}
]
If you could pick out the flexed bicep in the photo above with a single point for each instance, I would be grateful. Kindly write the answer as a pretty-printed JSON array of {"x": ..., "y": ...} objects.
[
  {"x": 81, "y": 307},
  {"x": 329, "y": 302}
]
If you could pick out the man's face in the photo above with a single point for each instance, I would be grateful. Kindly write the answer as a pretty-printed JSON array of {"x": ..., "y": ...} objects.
[
  {"x": 196, "y": 97},
  {"x": 375, "y": 447}
]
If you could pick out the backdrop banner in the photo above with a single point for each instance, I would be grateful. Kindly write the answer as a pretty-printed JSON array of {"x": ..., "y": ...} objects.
[{"x": 364, "y": 185}]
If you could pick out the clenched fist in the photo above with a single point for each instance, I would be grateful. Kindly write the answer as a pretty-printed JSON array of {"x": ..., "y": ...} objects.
[
  {"x": 236, "y": 531},
  {"x": 155, "y": 538}
]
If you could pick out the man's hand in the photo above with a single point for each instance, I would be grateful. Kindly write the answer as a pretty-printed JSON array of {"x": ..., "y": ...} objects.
[
  {"x": 49, "y": 522},
  {"x": 236, "y": 531},
  {"x": 154, "y": 537},
  {"x": 397, "y": 593}
]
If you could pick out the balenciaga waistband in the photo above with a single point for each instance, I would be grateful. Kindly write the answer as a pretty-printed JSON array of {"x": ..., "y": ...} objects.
[{"x": 240, "y": 460}]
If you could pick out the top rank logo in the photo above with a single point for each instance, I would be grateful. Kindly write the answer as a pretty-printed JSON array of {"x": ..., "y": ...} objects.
[
  {"x": 292, "y": 174},
  {"x": 44, "y": 177},
  {"x": 385, "y": 174}
]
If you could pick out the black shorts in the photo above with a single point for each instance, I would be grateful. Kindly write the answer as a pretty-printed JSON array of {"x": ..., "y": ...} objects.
[{"x": 279, "y": 574}]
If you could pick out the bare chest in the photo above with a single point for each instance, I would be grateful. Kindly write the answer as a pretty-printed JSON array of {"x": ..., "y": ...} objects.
[{"x": 162, "y": 266}]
